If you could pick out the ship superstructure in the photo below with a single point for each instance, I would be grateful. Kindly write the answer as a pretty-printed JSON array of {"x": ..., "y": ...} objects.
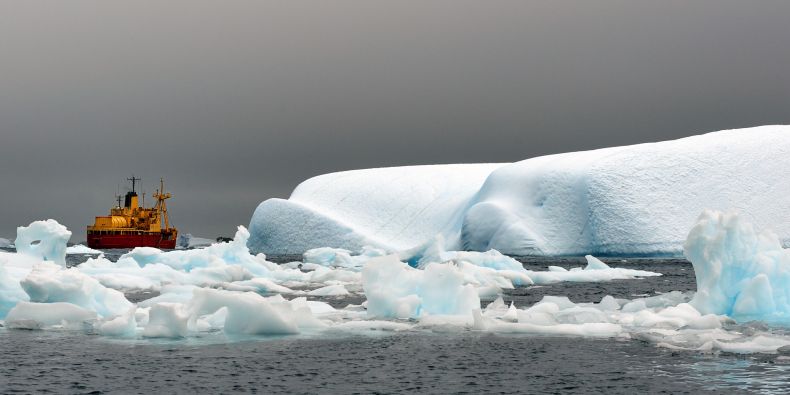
[{"x": 132, "y": 225}]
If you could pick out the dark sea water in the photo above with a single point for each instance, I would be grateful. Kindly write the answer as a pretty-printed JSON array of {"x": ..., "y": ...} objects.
[{"x": 412, "y": 362}]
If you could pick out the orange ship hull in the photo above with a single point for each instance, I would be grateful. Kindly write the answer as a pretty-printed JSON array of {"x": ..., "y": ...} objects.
[{"x": 109, "y": 239}]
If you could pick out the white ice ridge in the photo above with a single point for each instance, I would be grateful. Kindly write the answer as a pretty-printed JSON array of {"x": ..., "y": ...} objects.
[
  {"x": 394, "y": 208},
  {"x": 638, "y": 199}
]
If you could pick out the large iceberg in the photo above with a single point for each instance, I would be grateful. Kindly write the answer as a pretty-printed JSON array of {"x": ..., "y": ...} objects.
[
  {"x": 638, "y": 199},
  {"x": 395, "y": 208}
]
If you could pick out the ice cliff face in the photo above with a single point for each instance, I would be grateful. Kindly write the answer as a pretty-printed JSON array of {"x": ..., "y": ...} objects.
[{"x": 638, "y": 199}]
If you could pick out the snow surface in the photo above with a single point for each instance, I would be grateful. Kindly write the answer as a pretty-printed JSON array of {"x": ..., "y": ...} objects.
[
  {"x": 638, "y": 199},
  {"x": 394, "y": 208}
]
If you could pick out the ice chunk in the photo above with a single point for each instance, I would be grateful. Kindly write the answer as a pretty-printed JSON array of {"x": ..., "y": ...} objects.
[
  {"x": 259, "y": 285},
  {"x": 216, "y": 255},
  {"x": 124, "y": 325},
  {"x": 595, "y": 273},
  {"x": 29, "y": 315},
  {"x": 620, "y": 200},
  {"x": 167, "y": 320},
  {"x": 5, "y": 243},
  {"x": 594, "y": 263},
  {"x": 491, "y": 259},
  {"x": 329, "y": 290},
  {"x": 394, "y": 289},
  {"x": 740, "y": 272},
  {"x": 49, "y": 283},
  {"x": 10, "y": 291},
  {"x": 219, "y": 265},
  {"x": 45, "y": 240},
  {"x": 338, "y": 257},
  {"x": 81, "y": 249},
  {"x": 249, "y": 313}
]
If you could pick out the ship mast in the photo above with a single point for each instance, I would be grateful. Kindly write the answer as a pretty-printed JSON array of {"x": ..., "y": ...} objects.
[
  {"x": 161, "y": 206},
  {"x": 133, "y": 180}
]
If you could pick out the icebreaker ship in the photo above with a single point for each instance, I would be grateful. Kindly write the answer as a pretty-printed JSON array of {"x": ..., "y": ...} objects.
[{"x": 631, "y": 200}]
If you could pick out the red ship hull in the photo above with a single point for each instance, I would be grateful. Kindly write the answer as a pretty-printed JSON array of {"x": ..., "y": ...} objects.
[{"x": 108, "y": 240}]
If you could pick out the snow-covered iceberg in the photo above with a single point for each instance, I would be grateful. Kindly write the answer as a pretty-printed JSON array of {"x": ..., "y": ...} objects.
[{"x": 638, "y": 199}]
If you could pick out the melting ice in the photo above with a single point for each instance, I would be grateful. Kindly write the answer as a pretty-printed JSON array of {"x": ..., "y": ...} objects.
[{"x": 742, "y": 276}]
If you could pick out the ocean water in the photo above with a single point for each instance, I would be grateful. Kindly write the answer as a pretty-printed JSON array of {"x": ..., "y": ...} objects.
[{"x": 413, "y": 362}]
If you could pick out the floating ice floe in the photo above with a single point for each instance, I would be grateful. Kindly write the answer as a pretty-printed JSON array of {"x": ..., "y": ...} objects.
[
  {"x": 224, "y": 288},
  {"x": 81, "y": 249},
  {"x": 338, "y": 257}
]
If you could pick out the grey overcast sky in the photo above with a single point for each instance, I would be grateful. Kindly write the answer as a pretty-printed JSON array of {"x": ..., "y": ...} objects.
[{"x": 235, "y": 102}]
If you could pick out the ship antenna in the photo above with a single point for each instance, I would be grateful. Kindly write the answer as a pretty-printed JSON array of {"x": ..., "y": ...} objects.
[{"x": 133, "y": 180}]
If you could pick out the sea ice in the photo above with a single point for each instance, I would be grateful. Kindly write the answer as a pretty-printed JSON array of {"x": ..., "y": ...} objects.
[
  {"x": 29, "y": 315},
  {"x": 48, "y": 283},
  {"x": 742, "y": 275},
  {"x": 396, "y": 290},
  {"x": 252, "y": 314},
  {"x": 124, "y": 325},
  {"x": 166, "y": 320},
  {"x": 338, "y": 257},
  {"x": 330, "y": 290},
  {"x": 81, "y": 249}
]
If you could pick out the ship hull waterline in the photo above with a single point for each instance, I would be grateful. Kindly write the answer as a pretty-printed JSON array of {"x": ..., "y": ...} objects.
[{"x": 108, "y": 241}]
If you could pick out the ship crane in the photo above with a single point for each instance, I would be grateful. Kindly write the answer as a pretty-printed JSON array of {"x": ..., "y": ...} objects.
[{"x": 161, "y": 206}]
